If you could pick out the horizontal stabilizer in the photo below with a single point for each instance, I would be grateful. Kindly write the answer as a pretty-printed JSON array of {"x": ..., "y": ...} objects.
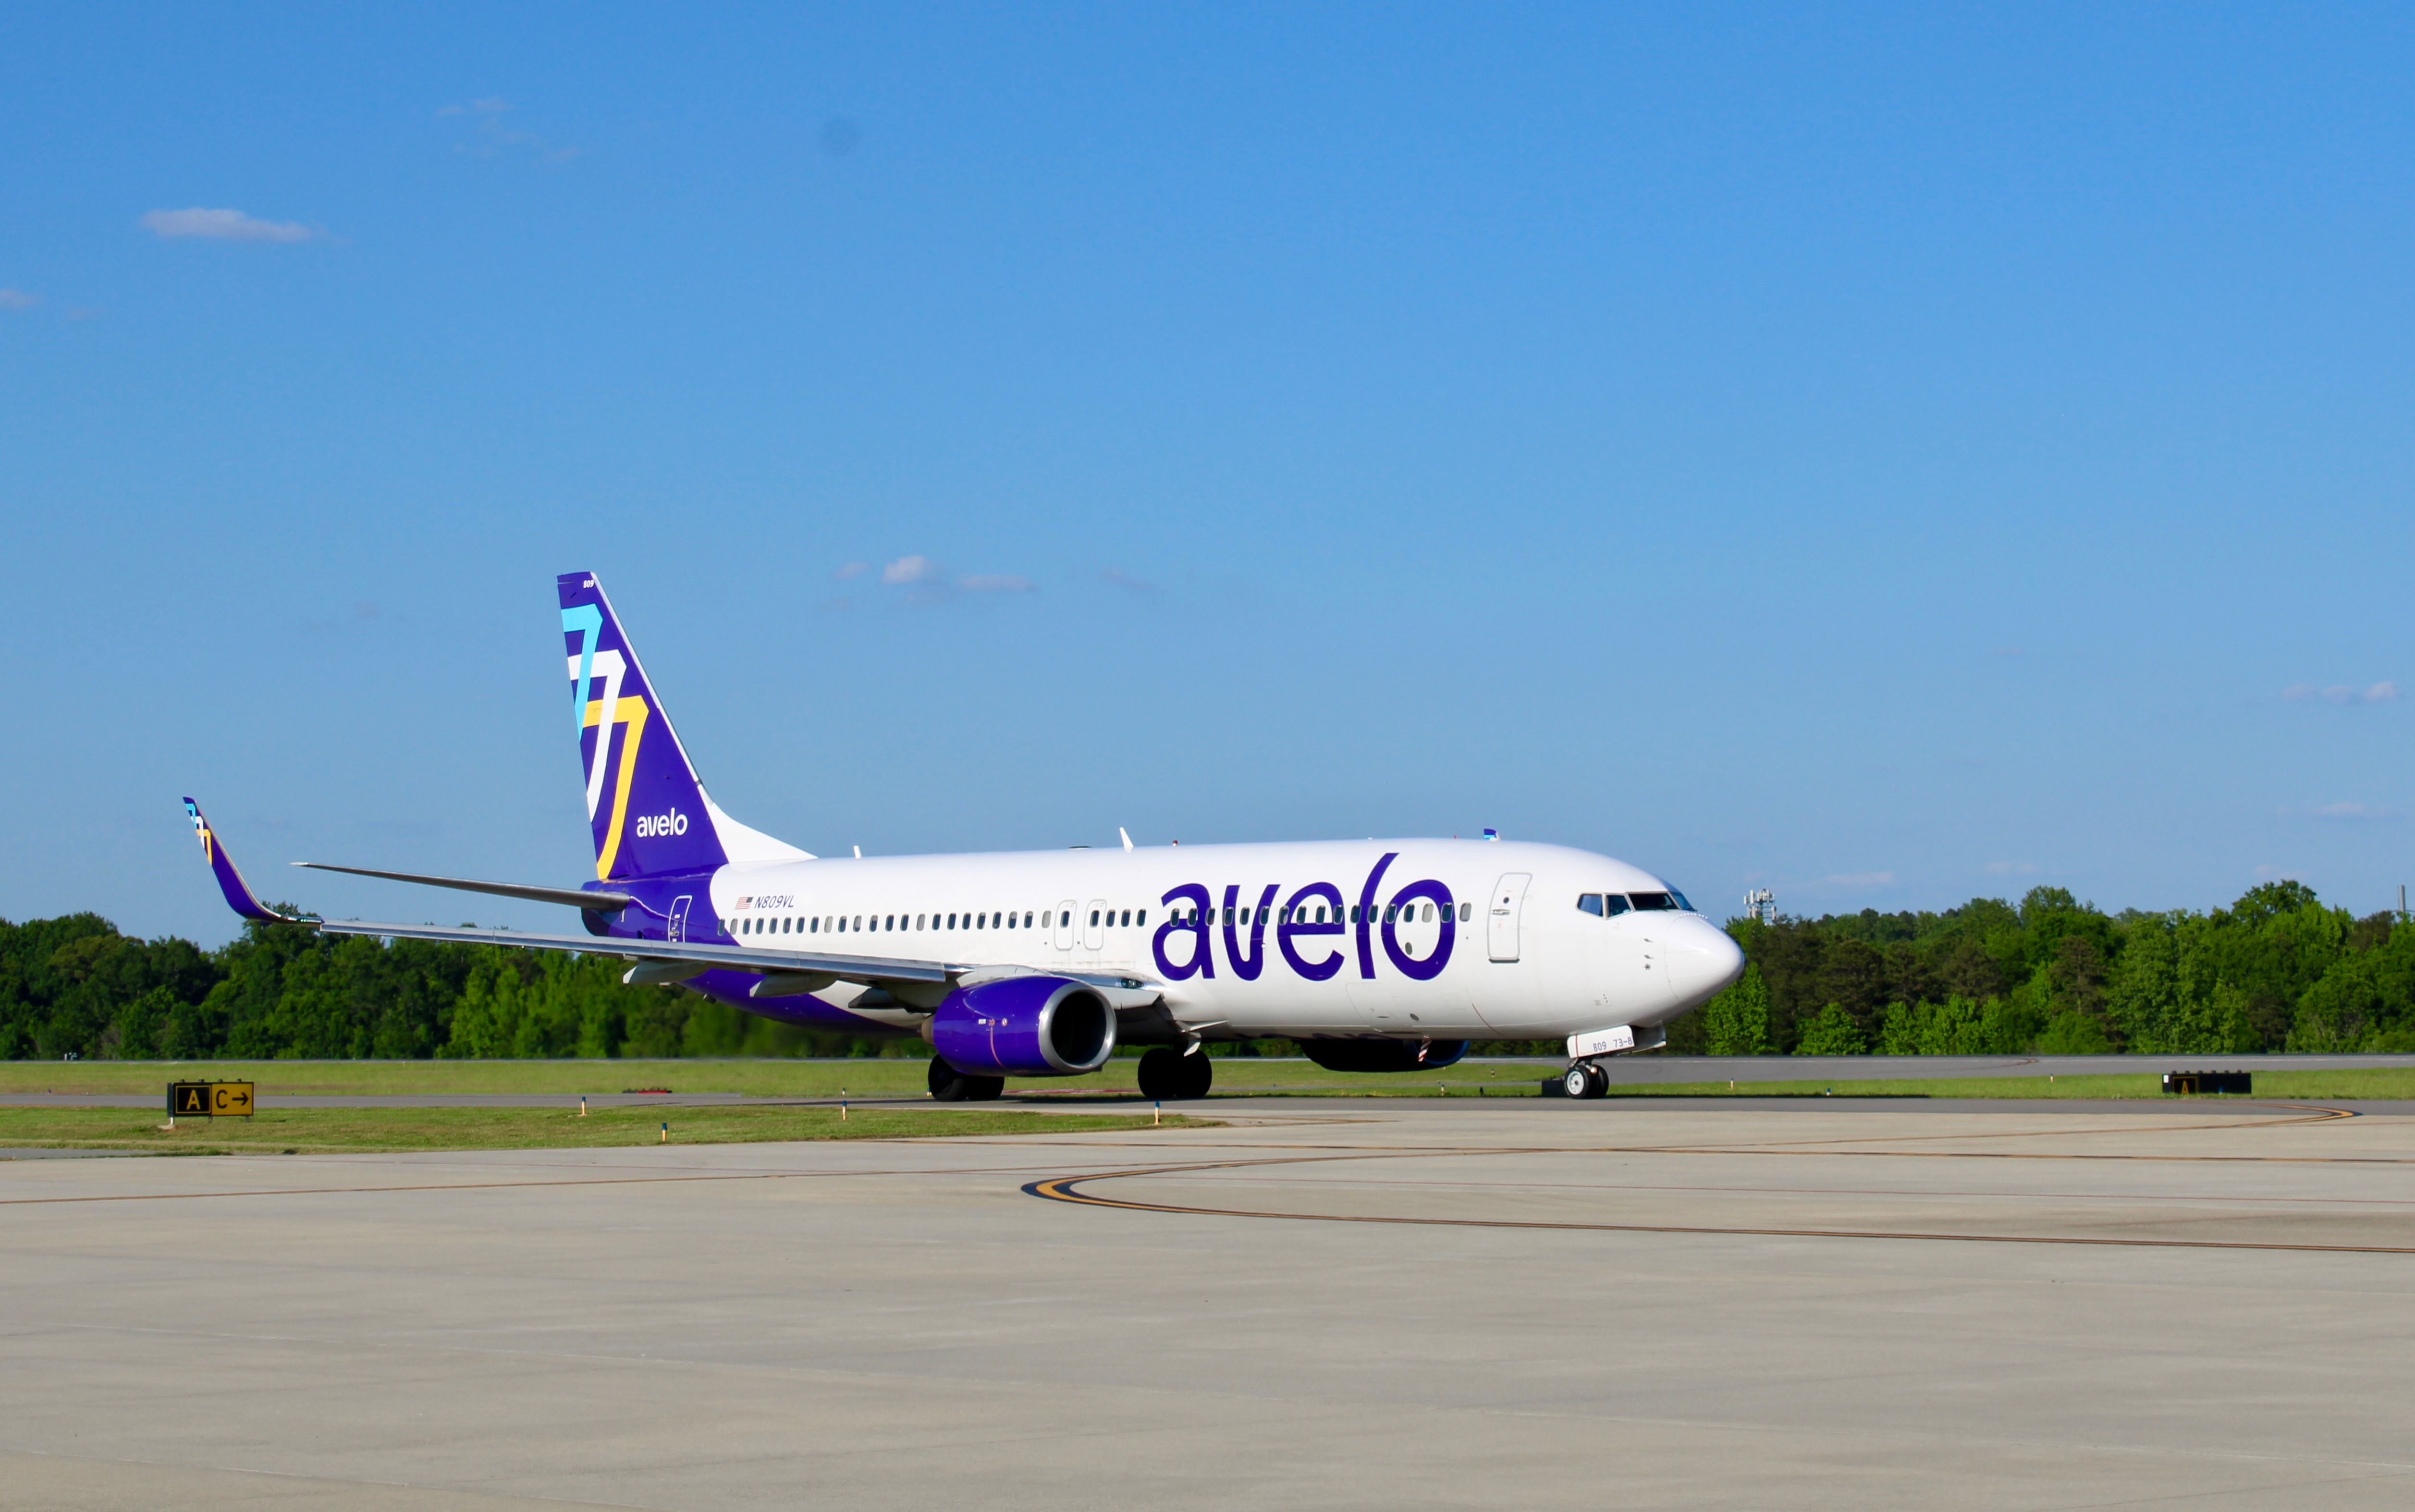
[{"x": 602, "y": 903}]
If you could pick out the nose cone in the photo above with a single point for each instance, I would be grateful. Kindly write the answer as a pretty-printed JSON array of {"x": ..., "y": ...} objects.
[{"x": 1700, "y": 960}]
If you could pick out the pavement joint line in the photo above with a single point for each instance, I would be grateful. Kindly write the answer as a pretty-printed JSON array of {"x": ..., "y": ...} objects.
[
  {"x": 306, "y": 1476},
  {"x": 1067, "y": 1189}
]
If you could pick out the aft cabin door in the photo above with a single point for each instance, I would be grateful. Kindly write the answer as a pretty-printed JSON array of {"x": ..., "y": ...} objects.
[
  {"x": 1064, "y": 937},
  {"x": 1501, "y": 914}
]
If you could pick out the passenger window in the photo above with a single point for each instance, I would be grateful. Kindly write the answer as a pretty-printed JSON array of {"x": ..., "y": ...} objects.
[
  {"x": 1613, "y": 904},
  {"x": 1590, "y": 903},
  {"x": 1127, "y": 917},
  {"x": 1141, "y": 919},
  {"x": 813, "y": 926},
  {"x": 1094, "y": 918},
  {"x": 1464, "y": 909},
  {"x": 1429, "y": 913}
]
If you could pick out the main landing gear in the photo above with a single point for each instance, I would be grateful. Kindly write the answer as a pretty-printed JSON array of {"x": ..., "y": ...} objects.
[
  {"x": 1168, "y": 1075},
  {"x": 1585, "y": 1080},
  {"x": 949, "y": 1085}
]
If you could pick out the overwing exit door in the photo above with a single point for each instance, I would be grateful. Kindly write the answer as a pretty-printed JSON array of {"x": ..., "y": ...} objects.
[
  {"x": 1502, "y": 912},
  {"x": 1064, "y": 938}
]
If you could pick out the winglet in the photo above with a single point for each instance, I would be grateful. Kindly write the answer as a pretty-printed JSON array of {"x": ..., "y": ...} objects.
[{"x": 238, "y": 895}]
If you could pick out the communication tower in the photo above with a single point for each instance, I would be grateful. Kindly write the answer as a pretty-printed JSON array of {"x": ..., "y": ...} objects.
[{"x": 1760, "y": 904}]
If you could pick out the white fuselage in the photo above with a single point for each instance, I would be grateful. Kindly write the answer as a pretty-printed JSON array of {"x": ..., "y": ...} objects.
[{"x": 1301, "y": 940}]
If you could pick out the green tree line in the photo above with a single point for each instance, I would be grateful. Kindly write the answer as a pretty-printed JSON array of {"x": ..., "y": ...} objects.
[
  {"x": 75, "y": 986},
  {"x": 2275, "y": 971}
]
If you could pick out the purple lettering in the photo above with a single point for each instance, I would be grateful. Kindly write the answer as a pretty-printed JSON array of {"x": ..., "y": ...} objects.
[{"x": 1191, "y": 921}]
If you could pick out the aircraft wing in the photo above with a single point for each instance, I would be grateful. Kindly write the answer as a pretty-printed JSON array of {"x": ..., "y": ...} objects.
[
  {"x": 862, "y": 968},
  {"x": 602, "y": 903}
]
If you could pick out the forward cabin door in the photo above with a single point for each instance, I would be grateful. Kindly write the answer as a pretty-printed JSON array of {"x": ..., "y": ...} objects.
[
  {"x": 1502, "y": 912},
  {"x": 1064, "y": 937}
]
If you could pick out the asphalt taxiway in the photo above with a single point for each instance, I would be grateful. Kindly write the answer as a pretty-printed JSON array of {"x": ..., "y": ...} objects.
[{"x": 1386, "y": 1304}]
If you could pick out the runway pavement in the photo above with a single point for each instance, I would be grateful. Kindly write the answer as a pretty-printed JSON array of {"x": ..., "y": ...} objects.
[{"x": 1387, "y": 1305}]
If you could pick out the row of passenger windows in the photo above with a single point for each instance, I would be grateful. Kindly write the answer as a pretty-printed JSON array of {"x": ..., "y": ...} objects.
[
  {"x": 1302, "y": 914},
  {"x": 1611, "y": 905},
  {"x": 859, "y": 923},
  {"x": 1117, "y": 917}
]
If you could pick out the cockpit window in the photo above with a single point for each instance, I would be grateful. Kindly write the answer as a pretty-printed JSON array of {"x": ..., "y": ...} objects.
[
  {"x": 1682, "y": 903},
  {"x": 1654, "y": 902},
  {"x": 1589, "y": 903},
  {"x": 1614, "y": 905}
]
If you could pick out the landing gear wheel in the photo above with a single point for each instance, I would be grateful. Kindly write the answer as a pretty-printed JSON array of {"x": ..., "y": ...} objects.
[
  {"x": 949, "y": 1085},
  {"x": 1168, "y": 1075},
  {"x": 1587, "y": 1080},
  {"x": 984, "y": 1088}
]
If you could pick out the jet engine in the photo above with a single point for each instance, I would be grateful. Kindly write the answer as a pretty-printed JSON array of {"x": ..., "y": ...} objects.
[
  {"x": 1383, "y": 1054},
  {"x": 1024, "y": 1026}
]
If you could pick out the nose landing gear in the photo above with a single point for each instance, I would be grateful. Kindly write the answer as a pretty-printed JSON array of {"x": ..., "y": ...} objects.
[{"x": 1584, "y": 1080}]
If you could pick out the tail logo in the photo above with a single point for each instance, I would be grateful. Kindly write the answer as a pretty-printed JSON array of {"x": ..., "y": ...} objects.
[{"x": 627, "y": 714}]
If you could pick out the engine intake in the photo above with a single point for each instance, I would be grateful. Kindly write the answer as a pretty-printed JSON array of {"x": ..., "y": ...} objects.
[{"x": 1025, "y": 1026}]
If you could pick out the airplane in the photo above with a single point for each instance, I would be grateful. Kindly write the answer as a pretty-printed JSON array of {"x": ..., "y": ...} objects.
[{"x": 1377, "y": 955}]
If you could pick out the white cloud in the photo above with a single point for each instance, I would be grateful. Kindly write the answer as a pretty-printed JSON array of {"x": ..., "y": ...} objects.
[
  {"x": 2348, "y": 812},
  {"x": 222, "y": 226},
  {"x": 18, "y": 299},
  {"x": 995, "y": 583},
  {"x": 853, "y": 569},
  {"x": 911, "y": 570},
  {"x": 1124, "y": 580},
  {"x": 2342, "y": 693}
]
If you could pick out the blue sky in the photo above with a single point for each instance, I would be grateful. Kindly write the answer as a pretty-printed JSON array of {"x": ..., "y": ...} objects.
[{"x": 1887, "y": 455}]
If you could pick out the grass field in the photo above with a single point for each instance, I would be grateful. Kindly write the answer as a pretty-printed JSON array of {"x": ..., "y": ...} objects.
[
  {"x": 1234, "y": 1075},
  {"x": 314, "y": 1131},
  {"x": 2380, "y": 1083},
  {"x": 767, "y": 1078}
]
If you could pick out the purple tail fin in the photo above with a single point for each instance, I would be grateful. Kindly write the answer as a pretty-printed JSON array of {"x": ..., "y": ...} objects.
[
  {"x": 650, "y": 815},
  {"x": 239, "y": 895}
]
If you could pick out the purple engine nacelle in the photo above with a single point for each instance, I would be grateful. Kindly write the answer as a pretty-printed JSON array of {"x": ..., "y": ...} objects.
[{"x": 1025, "y": 1026}]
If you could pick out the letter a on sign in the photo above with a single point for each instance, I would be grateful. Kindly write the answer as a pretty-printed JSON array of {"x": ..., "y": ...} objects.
[{"x": 210, "y": 1099}]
